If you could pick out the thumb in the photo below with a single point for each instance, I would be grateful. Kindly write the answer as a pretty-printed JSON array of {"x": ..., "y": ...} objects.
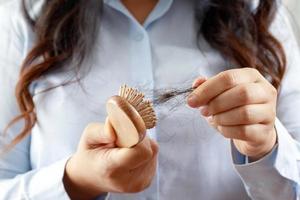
[{"x": 97, "y": 135}]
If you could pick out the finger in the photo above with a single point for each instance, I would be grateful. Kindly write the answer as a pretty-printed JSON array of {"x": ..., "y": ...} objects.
[
  {"x": 220, "y": 83},
  {"x": 130, "y": 158},
  {"x": 244, "y": 94},
  {"x": 199, "y": 81},
  {"x": 154, "y": 147},
  {"x": 150, "y": 170},
  {"x": 94, "y": 136},
  {"x": 255, "y": 133},
  {"x": 140, "y": 178},
  {"x": 249, "y": 114}
]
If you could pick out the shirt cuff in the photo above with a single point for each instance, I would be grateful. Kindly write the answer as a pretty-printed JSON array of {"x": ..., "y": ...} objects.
[
  {"x": 276, "y": 171},
  {"x": 47, "y": 183}
]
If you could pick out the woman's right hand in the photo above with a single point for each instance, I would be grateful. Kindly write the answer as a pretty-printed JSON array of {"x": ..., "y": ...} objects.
[{"x": 99, "y": 167}]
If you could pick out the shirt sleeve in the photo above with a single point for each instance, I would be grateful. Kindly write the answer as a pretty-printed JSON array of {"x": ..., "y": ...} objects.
[
  {"x": 17, "y": 179},
  {"x": 276, "y": 176}
]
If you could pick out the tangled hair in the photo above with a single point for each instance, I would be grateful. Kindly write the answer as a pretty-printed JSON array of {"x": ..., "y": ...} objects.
[{"x": 66, "y": 29}]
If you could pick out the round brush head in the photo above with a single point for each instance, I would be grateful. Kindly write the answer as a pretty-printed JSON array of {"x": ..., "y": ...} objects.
[{"x": 130, "y": 114}]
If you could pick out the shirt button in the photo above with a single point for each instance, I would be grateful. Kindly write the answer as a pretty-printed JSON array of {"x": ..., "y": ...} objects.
[{"x": 139, "y": 37}]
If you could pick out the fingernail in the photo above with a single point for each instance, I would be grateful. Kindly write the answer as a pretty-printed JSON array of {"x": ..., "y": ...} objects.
[
  {"x": 204, "y": 111},
  {"x": 198, "y": 82},
  {"x": 193, "y": 100}
]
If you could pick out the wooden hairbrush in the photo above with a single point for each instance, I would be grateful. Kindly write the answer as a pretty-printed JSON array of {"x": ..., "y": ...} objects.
[{"x": 129, "y": 116}]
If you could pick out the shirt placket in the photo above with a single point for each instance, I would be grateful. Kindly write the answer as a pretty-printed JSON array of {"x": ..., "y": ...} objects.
[{"x": 141, "y": 64}]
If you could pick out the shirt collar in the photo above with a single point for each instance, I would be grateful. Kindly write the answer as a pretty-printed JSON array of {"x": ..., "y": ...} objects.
[{"x": 160, "y": 10}]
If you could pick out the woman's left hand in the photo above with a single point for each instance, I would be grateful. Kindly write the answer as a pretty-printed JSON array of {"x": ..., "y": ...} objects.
[{"x": 241, "y": 104}]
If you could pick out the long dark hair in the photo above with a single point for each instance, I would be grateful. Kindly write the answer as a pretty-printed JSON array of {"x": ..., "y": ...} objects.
[{"x": 66, "y": 29}]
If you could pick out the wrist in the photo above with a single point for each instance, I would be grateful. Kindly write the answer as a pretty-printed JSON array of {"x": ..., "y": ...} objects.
[{"x": 266, "y": 148}]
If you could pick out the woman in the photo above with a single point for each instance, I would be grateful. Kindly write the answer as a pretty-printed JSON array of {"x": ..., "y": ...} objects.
[{"x": 63, "y": 59}]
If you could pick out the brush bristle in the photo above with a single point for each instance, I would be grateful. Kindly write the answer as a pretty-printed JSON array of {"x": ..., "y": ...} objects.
[{"x": 144, "y": 107}]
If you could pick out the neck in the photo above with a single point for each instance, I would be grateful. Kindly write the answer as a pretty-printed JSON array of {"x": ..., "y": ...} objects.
[{"x": 140, "y": 9}]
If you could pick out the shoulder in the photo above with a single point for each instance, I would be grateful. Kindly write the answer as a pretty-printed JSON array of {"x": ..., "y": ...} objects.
[
  {"x": 15, "y": 32},
  {"x": 12, "y": 17},
  {"x": 12, "y": 21},
  {"x": 283, "y": 30},
  {"x": 281, "y": 26},
  {"x": 16, "y": 37},
  {"x": 10, "y": 12}
]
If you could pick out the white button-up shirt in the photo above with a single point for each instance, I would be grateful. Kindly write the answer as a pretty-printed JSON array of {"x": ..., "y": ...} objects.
[{"x": 195, "y": 161}]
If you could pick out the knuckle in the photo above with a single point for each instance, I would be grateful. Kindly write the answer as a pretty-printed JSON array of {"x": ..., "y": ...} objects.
[
  {"x": 229, "y": 78},
  {"x": 246, "y": 113},
  {"x": 245, "y": 95},
  {"x": 253, "y": 70},
  {"x": 274, "y": 92},
  {"x": 226, "y": 134},
  {"x": 242, "y": 132},
  {"x": 224, "y": 131}
]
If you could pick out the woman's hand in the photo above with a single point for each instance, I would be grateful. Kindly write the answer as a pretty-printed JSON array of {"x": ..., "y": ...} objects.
[
  {"x": 99, "y": 167},
  {"x": 241, "y": 104}
]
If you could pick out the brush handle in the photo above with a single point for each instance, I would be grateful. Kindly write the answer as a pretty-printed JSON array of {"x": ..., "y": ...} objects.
[{"x": 125, "y": 122}]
